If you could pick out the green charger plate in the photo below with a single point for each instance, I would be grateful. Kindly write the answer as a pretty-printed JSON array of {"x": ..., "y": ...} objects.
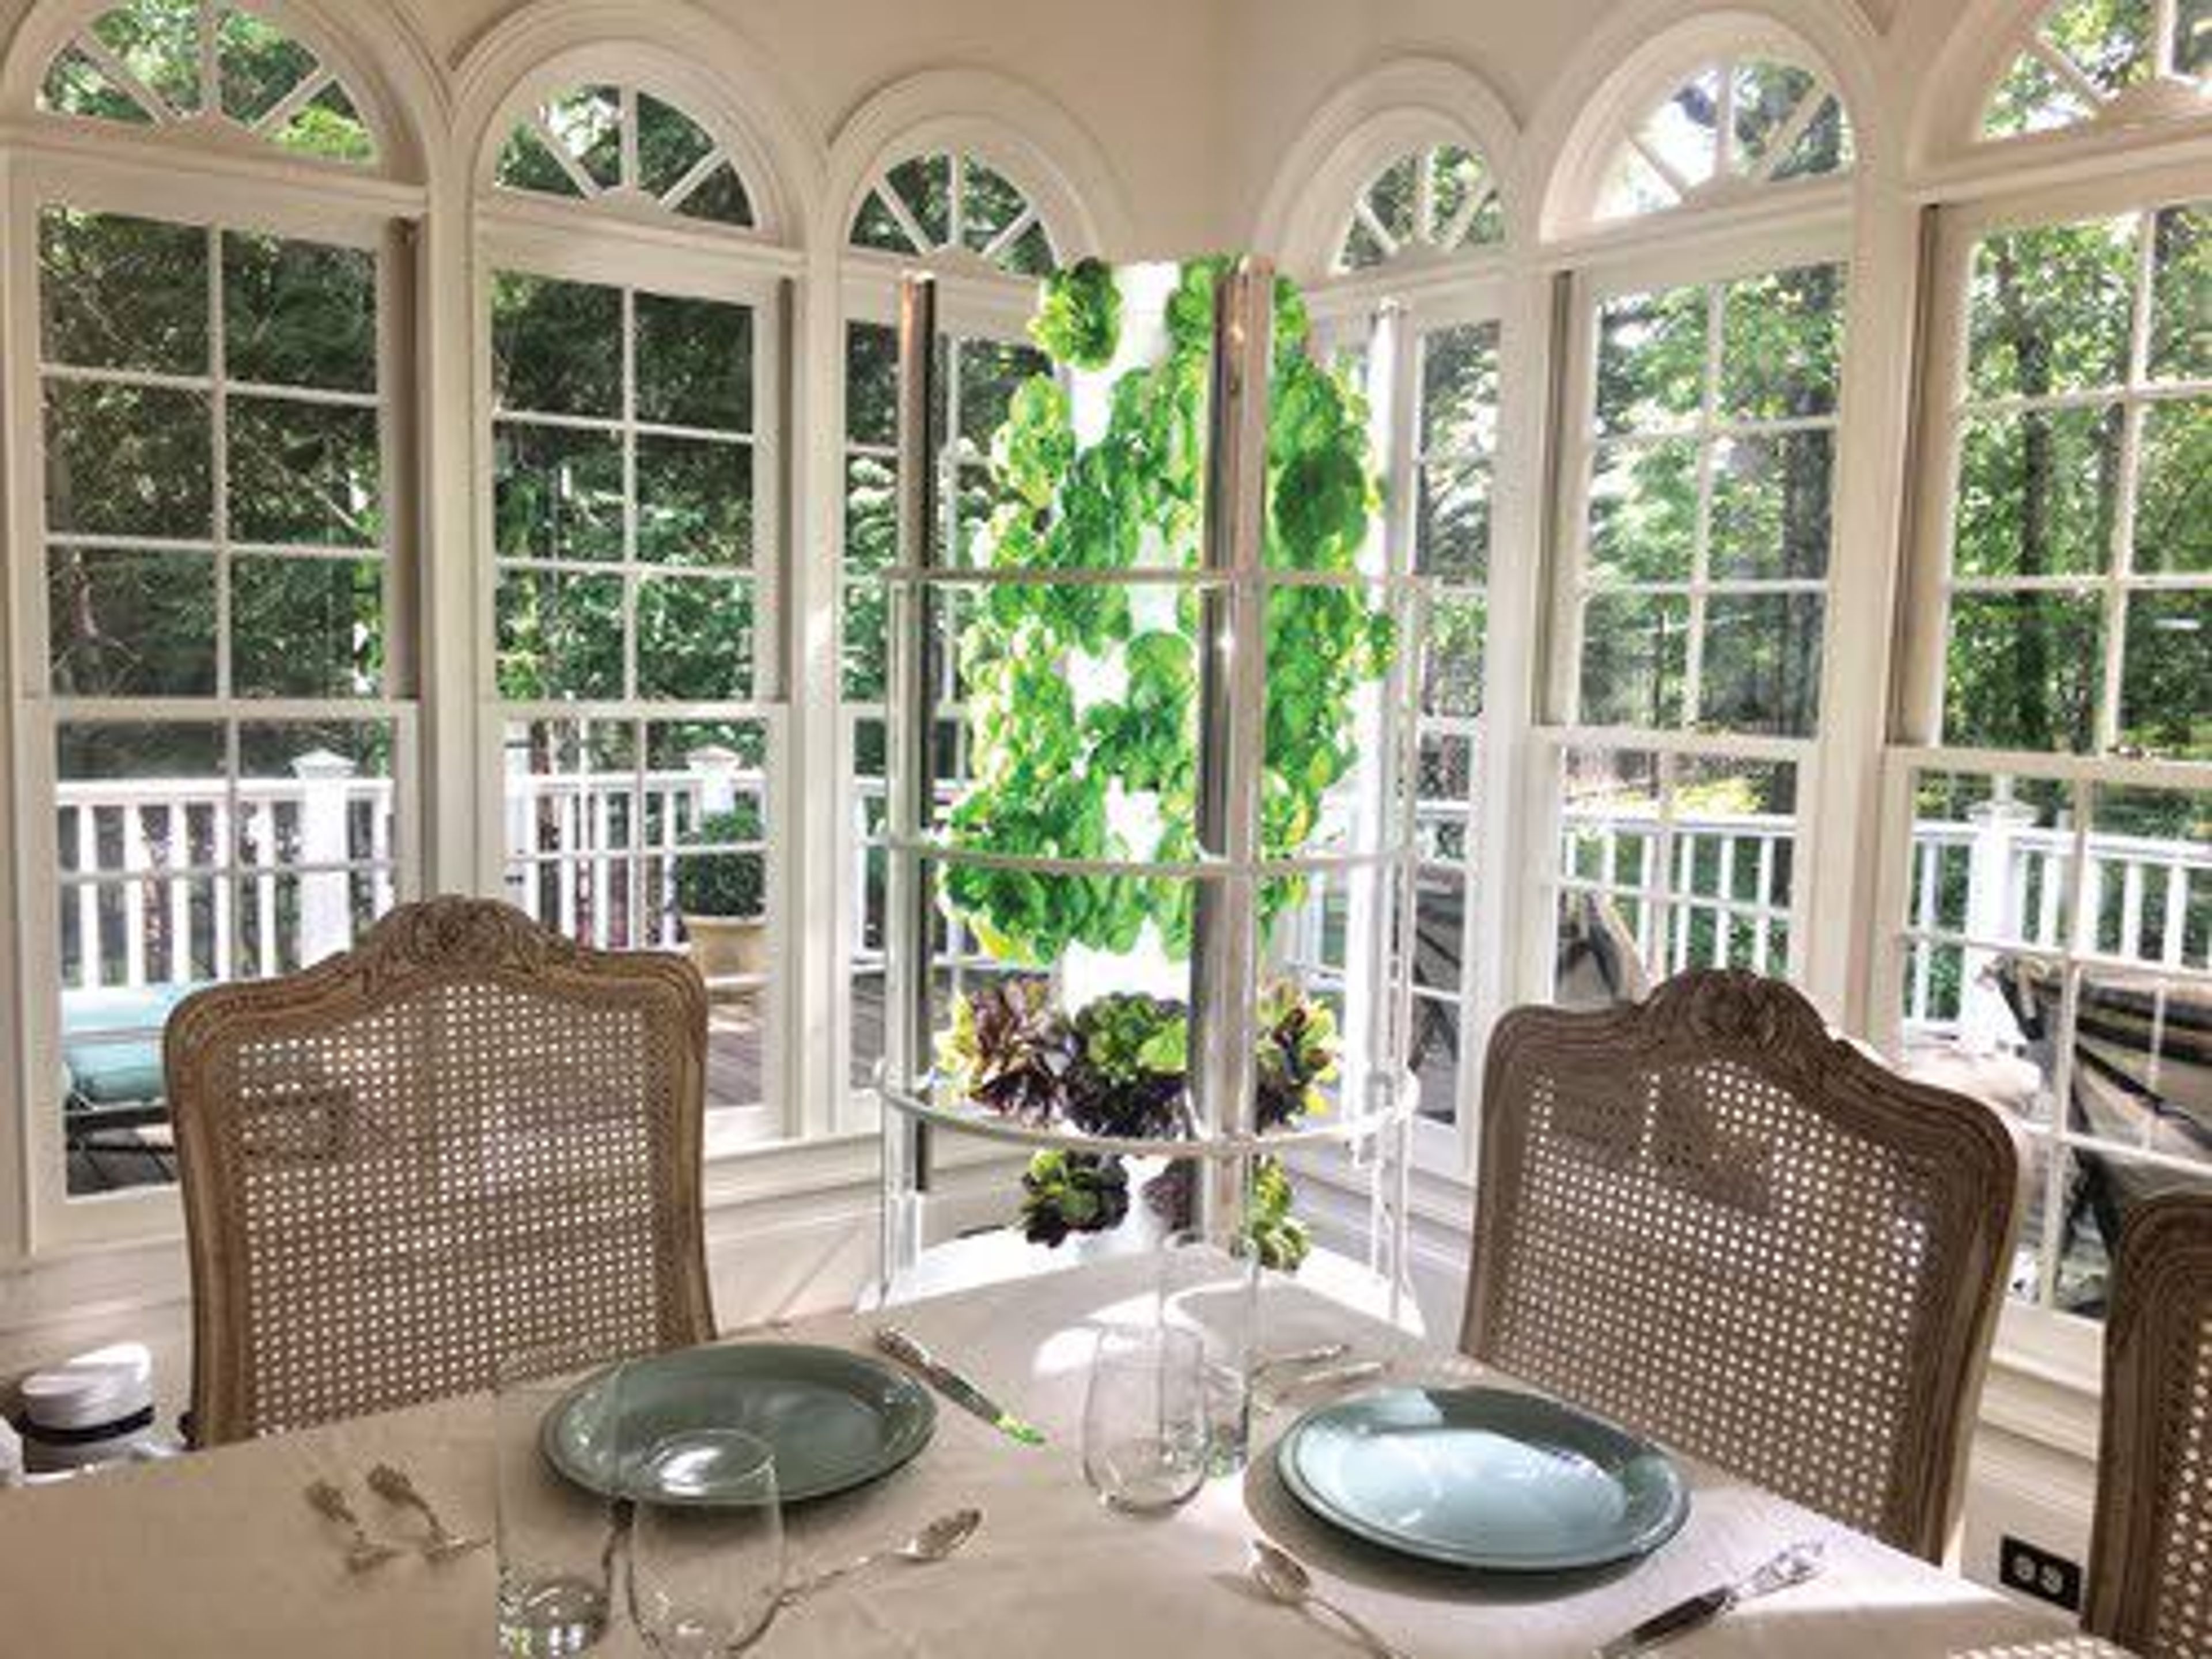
[
  {"x": 835, "y": 1419},
  {"x": 1484, "y": 1479}
]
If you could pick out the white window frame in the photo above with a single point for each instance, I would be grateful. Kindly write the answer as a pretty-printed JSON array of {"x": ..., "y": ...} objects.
[
  {"x": 566, "y": 241},
  {"x": 2067, "y": 1344},
  {"x": 1692, "y": 252},
  {"x": 335, "y": 208}
]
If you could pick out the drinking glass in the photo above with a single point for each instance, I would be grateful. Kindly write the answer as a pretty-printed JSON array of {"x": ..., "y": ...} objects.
[
  {"x": 1145, "y": 1422},
  {"x": 1211, "y": 1287},
  {"x": 555, "y": 1539},
  {"x": 704, "y": 1579}
]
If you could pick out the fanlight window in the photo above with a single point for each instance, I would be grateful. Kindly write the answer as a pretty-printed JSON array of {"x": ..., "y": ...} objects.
[
  {"x": 947, "y": 204},
  {"x": 1429, "y": 202},
  {"x": 1729, "y": 127},
  {"x": 616, "y": 143},
  {"x": 177, "y": 62},
  {"x": 2114, "y": 60}
]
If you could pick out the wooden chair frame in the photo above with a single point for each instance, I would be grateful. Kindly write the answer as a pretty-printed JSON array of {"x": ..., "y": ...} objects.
[
  {"x": 242, "y": 1096},
  {"x": 1643, "y": 1079}
]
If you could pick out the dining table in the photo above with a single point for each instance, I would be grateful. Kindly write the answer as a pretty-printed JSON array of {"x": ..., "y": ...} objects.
[{"x": 216, "y": 1552}]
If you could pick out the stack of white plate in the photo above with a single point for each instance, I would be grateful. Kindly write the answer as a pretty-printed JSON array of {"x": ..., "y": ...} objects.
[{"x": 95, "y": 1408}]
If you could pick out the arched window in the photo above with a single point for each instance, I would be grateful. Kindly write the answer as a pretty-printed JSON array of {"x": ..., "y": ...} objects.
[
  {"x": 1730, "y": 127},
  {"x": 1700, "y": 427},
  {"x": 225, "y": 706},
  {"x": 2113, "y": 61},
  {"x": 207, "y": 64},
  {"x": 616, "y": 142},
  {"x": 632, "y": 515},
  {"x": 953, "y": 204},
  {"x": 971, "y": 222},
  {"x": 1427, "y": 203}
]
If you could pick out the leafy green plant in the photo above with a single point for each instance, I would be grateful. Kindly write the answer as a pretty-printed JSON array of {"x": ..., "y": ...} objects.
[
  {"x": 1045, "y": 766},
  {"x": 1132, "y": 1060},
  {"x": 1065, "y": 1193},
  {"x": 731, "y": 885},
  {"x": 1010, "y": 1049},
  {"x": 1281, "y": 1240}
]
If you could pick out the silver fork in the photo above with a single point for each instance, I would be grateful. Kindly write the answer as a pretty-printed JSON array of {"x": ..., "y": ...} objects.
[
  {"x": 362, "y": 1552},
  {"x": 391, "y": 1484}
]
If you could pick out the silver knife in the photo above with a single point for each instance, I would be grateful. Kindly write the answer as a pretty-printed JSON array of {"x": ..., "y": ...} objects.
[
  {"x": 954, "y": 1387},
  {"x": 1792, "y": 1567}
]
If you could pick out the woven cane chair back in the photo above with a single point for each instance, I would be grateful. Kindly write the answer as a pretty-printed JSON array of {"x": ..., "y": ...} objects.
[
  {"x": 2151, "y": 1560},
  {"x": 467, "y": 1137},
  {"x": 1703, "y": 1216}
]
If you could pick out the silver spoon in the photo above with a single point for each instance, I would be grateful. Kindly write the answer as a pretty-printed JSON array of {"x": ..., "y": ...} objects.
[
  {"x": 1279, "y": 1573},
  {"x": 934, "y": 1542},
  {"x": 391, "y": 1484},
  {"x": 362, "y": 1552}
]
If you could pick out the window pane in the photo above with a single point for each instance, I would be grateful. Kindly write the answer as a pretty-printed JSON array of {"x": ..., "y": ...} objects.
[
  {"x": 2049, "y": 308},
  {"x": 2165, "y": 679},
  {"x": 2173, "y": 490},
  {"x": 694, "y": 501},
  {"x": 128, "y": 460},
  {"x": 1459, "y": 391},
  {"x": 695, "y": 363},
  {"x": 2023, "y": 670},
  {"x": 1452, "y": 536},
  {"x": 556, "y": 348},
  {"x": 1780, "y": 335},
  {"x": 694, "y": 639},
  {"x": 1452, "y": 685},
  {"x": 866, "y": 647},
  {"x": 330, "y": 781},
  {"x": 560, "y": 635},
  {"x": 1772, "y": 499},
  {"x": 306, "y": 473},
  {"x": 160, "y": 44},
  {"x": 298, "y": 314},
  {"x": 2149, "y": 889},
  {"x": 871, "y": 384},
  {"x": 1993, "y": 860},
  {"x": 924, "y": 184},
  {"x": 124, "y": 624},
  {"x": 1643, "y": 511},
  {"x": 1762, "y": 662},
  {"x": 122, "y": 292},
  {"x": 669, "y": 145},
  {"x": 1650, "y": 359},
  {"x": 2038, "y": 492},
  {"x": 870, "y": 514},
  {"x": 1635, "y": 650},
  {"x": 990, "y": 375},
  {"x": 257, "y": 65},
  {"x": 588, "y": 123},
  {"x": 557, "y": 493},
  {"x": 2181, "y": 288},
  {"x": 306, "y": 628}
]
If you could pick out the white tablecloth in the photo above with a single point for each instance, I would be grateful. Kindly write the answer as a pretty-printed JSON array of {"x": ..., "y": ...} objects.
[{"x": 218, "y": 1554}]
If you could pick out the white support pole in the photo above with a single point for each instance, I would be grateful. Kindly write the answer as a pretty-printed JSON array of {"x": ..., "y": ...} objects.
[{"x": 1993, "y": 912}]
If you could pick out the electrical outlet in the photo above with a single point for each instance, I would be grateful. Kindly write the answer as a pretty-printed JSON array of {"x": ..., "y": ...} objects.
[{"x": 2038, "y": 1572}]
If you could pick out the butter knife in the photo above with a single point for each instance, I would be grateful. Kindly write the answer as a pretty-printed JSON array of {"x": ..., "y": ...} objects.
[
  {"x": 1792, "y": 1567},
  {"x": 954, "y": 1387}
]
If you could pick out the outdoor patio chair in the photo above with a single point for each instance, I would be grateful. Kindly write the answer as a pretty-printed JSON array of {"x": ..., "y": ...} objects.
[{"x": 468, "y": 1137}]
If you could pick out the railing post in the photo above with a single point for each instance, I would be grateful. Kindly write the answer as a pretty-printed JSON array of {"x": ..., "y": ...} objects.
[
  {"x": 715, "y": 766},
  {"x": 1993, "y": 912},
  {"x": 325, "y": 901}
]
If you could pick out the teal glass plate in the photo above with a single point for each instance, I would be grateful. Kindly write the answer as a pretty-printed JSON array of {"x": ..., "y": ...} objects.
[
  {"x": 836, "y": 1419},
  {"x": 1484, "y": 1479}
]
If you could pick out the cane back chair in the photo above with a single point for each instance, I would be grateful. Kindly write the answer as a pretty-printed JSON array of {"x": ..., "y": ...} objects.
[
  {"x": 2150, "y": 1556},
  {"x": 466, "y": 1138},
  {"x": 1703, "y": 1216}
]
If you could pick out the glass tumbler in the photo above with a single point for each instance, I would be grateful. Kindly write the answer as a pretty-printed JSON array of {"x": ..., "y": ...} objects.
[
  {"x": 1144, "y": 1420},
  {"x": 557, "y": 1540},
  {"x": 706, "y": 1545},
  {"x": 1211, "y": 1287}
]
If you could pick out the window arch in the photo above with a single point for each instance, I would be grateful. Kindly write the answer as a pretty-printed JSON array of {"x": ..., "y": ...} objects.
[
  {"x": 2106, "y": 61},
  {"x": 1731, "y": 126},
  {"x": 603, "y": 142},
  {"x": 212, "y": 64},
  {"x": 953, "y": 203},
  {"x": 1428, "y": 202}
]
